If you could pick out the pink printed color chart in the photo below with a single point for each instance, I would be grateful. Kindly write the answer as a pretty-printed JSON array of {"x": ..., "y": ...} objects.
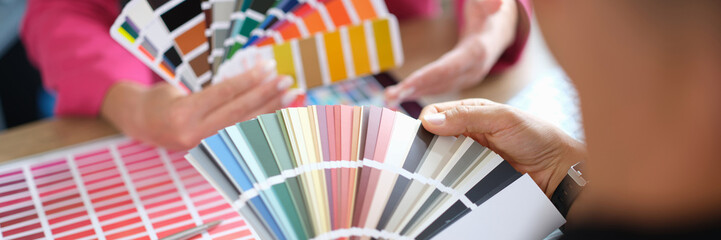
[{"x": 111, "y": 189}]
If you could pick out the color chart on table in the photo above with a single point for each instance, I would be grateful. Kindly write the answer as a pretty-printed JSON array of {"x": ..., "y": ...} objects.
[
  {"x": 112, "y": 189},
  {"x": 363, "y": 91},
  {"x": 334, "y": 171}
]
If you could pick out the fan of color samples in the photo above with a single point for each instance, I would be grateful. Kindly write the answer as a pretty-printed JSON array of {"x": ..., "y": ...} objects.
[
  {"x": 194, "y": 43},
  {"x": 328, "y": 172}
]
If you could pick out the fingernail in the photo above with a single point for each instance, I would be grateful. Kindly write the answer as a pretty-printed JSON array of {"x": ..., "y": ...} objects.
[
  {"x": 263, "y": 69},
  {"x": 392, "y": 103},
  {"x": 269, "y": 65},
  {"x": 290, "y": 96},
  {"x": 406, "y": 93},
  {"x": 270, "y": 77},
  {"x": 436, "y": 118},
  {"x": 393, "y": 90},
  {"x": 285, "y": 83}
]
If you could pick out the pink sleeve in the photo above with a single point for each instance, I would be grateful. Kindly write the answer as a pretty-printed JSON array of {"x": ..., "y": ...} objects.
[
  {"x": 405, "y": 9},
  {"x": 69, "y": 42},
  {"x": 513, "y": 52}
]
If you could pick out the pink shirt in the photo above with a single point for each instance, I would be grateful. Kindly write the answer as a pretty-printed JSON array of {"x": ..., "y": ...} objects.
[{"x": 69, "y": 42}]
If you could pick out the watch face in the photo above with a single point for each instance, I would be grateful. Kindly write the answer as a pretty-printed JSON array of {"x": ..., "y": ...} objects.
[{"x": 575, "y": 173}]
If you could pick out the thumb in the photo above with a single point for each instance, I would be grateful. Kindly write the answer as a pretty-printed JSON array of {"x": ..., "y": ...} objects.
[
  {"x": 417, "y": 83},
  {"x": 470, "y": 119}
]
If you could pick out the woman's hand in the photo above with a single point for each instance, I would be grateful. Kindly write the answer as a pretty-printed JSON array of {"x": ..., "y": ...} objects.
[
  {"x": 490, "y": 27},
  {"x": 162, "y": 115},
  {"x": 529, "y": 144}
]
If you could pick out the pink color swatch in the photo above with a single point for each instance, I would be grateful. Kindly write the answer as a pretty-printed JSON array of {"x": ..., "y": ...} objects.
[{"x": 115, "y": 189}]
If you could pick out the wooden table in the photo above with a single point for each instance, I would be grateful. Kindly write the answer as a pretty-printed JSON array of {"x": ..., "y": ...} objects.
[{"x": 424, "y": 40}]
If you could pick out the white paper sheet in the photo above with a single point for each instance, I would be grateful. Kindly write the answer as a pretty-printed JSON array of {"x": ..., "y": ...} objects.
[{"x": 520, "y": 211}]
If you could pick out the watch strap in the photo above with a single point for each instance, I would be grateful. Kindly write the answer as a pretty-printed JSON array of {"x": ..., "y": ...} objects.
[{"x": 569, "y": 188}]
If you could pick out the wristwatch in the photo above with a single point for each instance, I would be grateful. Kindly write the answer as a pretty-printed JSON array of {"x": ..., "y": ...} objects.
[{"x": 569, "y": 188}]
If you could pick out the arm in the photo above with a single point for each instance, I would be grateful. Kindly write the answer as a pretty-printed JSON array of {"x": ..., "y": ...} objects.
[
  {"x": 523, "y": 27},
  {"x": 163, "y": 115},
  {"x": 68, "y": 41},
  {"x": 493, "y": 34}
]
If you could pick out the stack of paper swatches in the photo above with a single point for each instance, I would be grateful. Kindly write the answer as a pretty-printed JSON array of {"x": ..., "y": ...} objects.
[
  {"x": 328, "y": 172},
  {"x": 193, "y": 44}
]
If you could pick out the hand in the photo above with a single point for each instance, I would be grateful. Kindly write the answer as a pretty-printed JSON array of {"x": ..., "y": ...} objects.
[
  {"x": 164, "y": 116},
  {"x": 529, "y": 144},
  {"x": 489, "y": 29}
]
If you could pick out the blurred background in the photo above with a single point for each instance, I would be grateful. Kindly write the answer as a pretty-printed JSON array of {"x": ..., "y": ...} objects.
[{"x": 22, "y": 97}]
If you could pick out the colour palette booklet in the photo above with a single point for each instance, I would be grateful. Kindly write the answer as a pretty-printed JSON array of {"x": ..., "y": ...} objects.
[
  {"x": 338, "y": 172},
  {"x": 193, "y": 44}
]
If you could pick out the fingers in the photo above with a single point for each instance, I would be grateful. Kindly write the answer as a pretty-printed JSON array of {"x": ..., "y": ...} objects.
[
  {"x": 449, "y": 72},
  {"x": 262, "y": 98},
  {"x": 278, "y": 103},
  {"x": 410, "y": 87},
  {"x": 472, "y": 116},
  {"x": 217, "y": 95},
  {"x": 425, "y": 80}
]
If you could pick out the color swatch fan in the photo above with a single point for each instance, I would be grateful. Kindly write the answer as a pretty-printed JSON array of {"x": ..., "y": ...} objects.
[
  {"x": 194, "y": 43},
  {"x": 328, "y": 172}
]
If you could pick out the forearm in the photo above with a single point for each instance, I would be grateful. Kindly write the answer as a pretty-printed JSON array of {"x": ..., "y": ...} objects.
[
  {"x": 511, "y": 51},
  {"x": 499, "y": 32},
  {"x": 573, "y": 152},
  {"x": 489, "y": 30}
]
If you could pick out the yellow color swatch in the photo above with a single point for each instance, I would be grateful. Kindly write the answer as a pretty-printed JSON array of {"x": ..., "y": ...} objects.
[
  {"x": 292, "y": 122},
  {"x": 126, "y": 35},
  {"x": 359, "y": 49},
  {"x": 334, "y": 54},
  {"x": 384, "y": 46},
  {"x": 317, "y": 179},
  {"x": 284, "y": 59}
]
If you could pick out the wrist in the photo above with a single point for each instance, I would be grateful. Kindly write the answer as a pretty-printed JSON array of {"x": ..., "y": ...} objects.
[
  {"x": 121, "y": 104},
  {"x": 574, "y": 152},
  {"x": 494, "y": 36},
  {"x": 572, "y": 183}
]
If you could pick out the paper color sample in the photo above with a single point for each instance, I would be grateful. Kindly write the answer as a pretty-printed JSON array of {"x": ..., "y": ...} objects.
[
  {"x": 505, "y": 214},
  {"x": 219, "y": 27},
  {"x": 193, "y": 44},
  {"x": 439, "y": 147},
  {"x": 313, "y": 17},
  {"x": 169, "y": 37},
  {"x": 323, "y": 59},
  {"x": 416, "y": 154},
  {"x": 329, "y": 172},
  {"x": 437, "y": 200},
  {"x": 109, "y": 189}
]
